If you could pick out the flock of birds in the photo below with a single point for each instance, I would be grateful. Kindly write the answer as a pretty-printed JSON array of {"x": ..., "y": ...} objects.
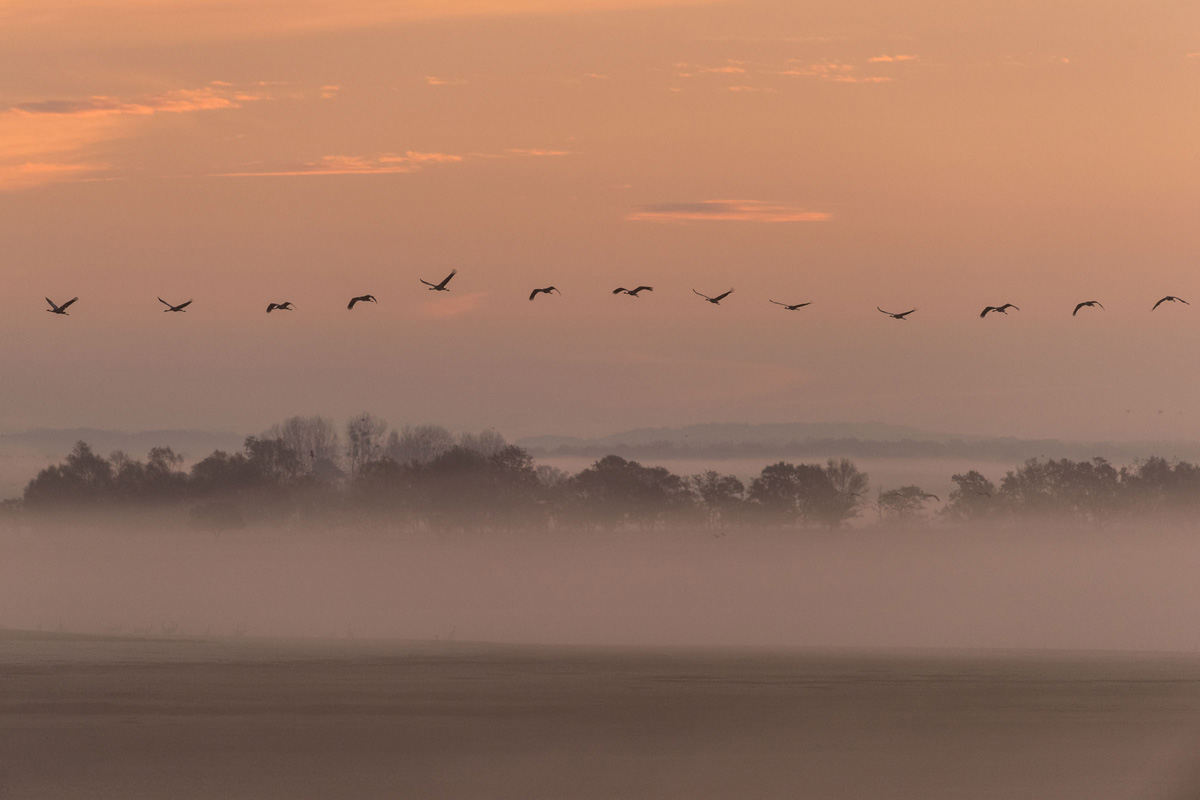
[{"x": 443, "y": 286}]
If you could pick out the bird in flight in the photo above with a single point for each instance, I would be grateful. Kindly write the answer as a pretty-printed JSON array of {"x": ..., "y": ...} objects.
[
  {"x": 901, "y": 315},
  {"x": 793, "y": 307},
  {"x": 1172, "y": 299},
  {"x": 56, "y": 309},
  {"x": 633, "y": 292},
  {"x": 365, "y": 298},
  {"x": 716, "y": 301},
  {"x": 1088, "y": 303},
  {"x": 439, "y": 287},
  {"x": 169, "y": 307},
  {"x": 280, "y": 307},
  {"x": 998, "y": 309},
  {"x": 547, "y": 290}
]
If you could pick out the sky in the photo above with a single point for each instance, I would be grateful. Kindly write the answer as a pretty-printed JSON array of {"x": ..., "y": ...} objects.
[{"x": 853, "y": 154}]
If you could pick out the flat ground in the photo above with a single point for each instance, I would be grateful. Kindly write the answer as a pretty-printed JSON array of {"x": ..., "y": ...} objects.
[{"x": 108, "y": 717}]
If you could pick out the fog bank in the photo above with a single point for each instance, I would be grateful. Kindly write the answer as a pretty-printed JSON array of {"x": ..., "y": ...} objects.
[{"x": 1122, "y": 589}]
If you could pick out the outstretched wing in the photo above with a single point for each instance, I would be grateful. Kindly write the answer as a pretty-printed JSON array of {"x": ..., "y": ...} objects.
[
  {"x": 1008, "y": 305},
  {"x": 446, "y": 280},
  {"x": 67, "y": 304},
  {"x": 881, "y": 311},
  {"x": 271, "y": 307},
  {"x": 353, "y": 300},
  {"x": 1076, "y": 311},
  {"x": 164, "y": 302},
  {"x": 904, "y": 314},
  {"x": 534, "y": 293},
  {"x": 620, "y": 289},
  {"x": 643, "y": 289},
  {"x": 52, "y": 306},
  {"x": 182, "y": 306},
  {"x": 427, "y": 283},
  {"x": 984, "y": 313},
  {"x": 706, "y": 297},
  {"x": 723, "y": 296},
  {"x": 776, "y": 302}
]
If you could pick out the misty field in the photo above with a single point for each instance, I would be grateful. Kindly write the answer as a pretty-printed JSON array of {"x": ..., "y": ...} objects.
[
  {"x": 1114, "y": 588},
  {"x": 154, "y": 660},
  {"x": 124, "y": 718}
]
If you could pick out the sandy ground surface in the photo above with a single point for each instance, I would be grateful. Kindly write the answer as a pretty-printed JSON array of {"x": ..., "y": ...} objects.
[{"x": 155, "y": 718}]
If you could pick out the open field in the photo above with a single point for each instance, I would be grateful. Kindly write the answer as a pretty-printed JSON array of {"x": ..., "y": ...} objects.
[
  {"x": 125, "y": 718},
  {"x": 296, "y": 662}
]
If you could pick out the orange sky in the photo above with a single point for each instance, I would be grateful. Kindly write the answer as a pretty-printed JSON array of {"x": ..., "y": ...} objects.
[{"x": 852, "y": 154}]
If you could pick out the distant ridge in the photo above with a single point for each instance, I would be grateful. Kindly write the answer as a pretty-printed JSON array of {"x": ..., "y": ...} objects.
[
  {"x": 711, "y": 433},
  {"x": 717, "y": 441}
]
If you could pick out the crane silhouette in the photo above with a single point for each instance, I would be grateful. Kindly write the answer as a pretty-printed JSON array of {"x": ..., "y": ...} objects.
[
  {"x": 439, "y": 287},
  {"x": 998, "y": 309},
  {"x": 791, "y": 307},
  {"x": 1172, "y": 299},
  {"x": 365, "y": 298},
  {"x": 57, "y": 309},
  {"x": 1088, "y": 303},
  {"x": 900, "y": 316},
  {"x": 633, "y": 292},
  {"x": 279, "y": 307},
  {"x": 716, "y": 301},
  {"x": 169, "y": 307},
  {"x": 547, "y": 290}
]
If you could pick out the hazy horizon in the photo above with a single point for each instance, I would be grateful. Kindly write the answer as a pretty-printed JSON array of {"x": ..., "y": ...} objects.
[
  {"x": 849, "y": 154},
  {"x": 847, "y": 157}
]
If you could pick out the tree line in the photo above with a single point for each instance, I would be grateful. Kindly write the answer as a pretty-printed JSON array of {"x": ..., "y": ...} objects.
[{"x": 425, "y": 475}]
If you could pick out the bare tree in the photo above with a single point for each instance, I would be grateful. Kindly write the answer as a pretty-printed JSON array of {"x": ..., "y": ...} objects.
[
  {"x": 364, "y": 440},
  {"x": 313, "y": 439},
  {"x": 850, "y": 482},
  {"x": 551, "y": 477},
  {"x": 486, "y": 443},
  {"x": 721, "y": 495},
  {"x": 419, "y": 444}
]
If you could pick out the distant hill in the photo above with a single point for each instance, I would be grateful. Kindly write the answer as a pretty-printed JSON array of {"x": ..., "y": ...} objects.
[
  {"x": 851, "y": 440},
  {"x": 717, "y": 433}
]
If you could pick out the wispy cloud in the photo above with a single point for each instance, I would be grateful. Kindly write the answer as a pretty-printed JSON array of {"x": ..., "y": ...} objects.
[
  {"x": 684, "y": 69},
  {"x": 744, "y": 76},
  {"x": 433, "y": 80},
  {"x": 40, "y": 173},
  {"x": 537, "y": 152},
  {"x": 834, "y": 71},
  {"x": 217, "y": 95},
  {"x": 59, "y": 140},
  {"x": 726, "y": 211},
  {"x": 64, "y": 22},
  {"x": 385, "y": 164},
  {"x": 330, "y": 91},
  {"x": 382, "y": 164}
]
